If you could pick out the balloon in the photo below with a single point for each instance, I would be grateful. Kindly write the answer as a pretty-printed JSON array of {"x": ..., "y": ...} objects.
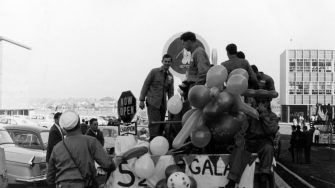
[
  {"x": 225, "y": 128},
  {"x": 187, "y": 129},
  {"x": 144, "y": 166},
  {"x": 174, "y": 105},
  {"x": 216, "y": 76},
  {"x": 225, "y": 101},
  {"x": 241, "y": 106},
  {"x": 187, "y": 115},
  {"x": 161, "y": 184},
  {"x": 201, "y": 137},
  {"x": 193, "y": 182},
  {"x": 172, "y": 169},
  {"x": 211, "y": 111},
  {"x": 135, "y": 152},
  {"x": 178, "y": 180},
  {"x": 239, "y": 71},
  {"x": 260, "y": 93},
  {"x": 214, "y": 92},
  {"x": 198, "y": 96},
  {"x": 237, "y": 84},
  {"x": 159, "y": 146}
]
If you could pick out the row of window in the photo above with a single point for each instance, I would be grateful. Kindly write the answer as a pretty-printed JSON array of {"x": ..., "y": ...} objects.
[{"x": 313, "y": 65}]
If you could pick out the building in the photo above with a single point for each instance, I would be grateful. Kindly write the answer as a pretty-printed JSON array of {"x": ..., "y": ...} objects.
[
  {"x": 307, "y": 77},
  {"x": 14, "y": 71}
]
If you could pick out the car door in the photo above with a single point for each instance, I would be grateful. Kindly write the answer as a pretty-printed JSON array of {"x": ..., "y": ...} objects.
[{"x": 27, "y": 139}]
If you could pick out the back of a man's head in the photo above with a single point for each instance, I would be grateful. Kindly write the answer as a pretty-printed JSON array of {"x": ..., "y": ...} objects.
[
  {"x": 231, "y": 49},
  {"x": 240, "y": 55},
  {"x": 188, "y": 36}
]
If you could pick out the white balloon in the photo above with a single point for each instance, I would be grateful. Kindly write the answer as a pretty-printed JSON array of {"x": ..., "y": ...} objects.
[
  {"x": 144, "y": 166},
  {"x": 178, "y": 180},
  {"x": 175, "y": 104},
  {"x": 159, "y": 146}
]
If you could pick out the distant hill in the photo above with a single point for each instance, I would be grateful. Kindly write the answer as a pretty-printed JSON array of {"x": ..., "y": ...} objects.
[{"x": 107, "y": 99}]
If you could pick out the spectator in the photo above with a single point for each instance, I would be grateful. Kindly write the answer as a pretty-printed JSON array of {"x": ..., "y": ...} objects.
[
  {"x": 56, "y": 134},
  {"x": 95, "y": 132},
  {"x": 83, "y": 126},
  {"x": 316, "y": 136},
  {"x": 308, "y": 144},
  {"x": 299, "y": 142},
  {"x": 292, "y": 143}
]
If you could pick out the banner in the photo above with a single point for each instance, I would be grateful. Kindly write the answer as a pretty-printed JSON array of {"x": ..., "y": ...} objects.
[{"x": 209, "y": 171}]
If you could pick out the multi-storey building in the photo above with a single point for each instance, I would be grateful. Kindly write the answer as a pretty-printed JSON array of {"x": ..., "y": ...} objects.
[
  {"x": 307, "y": 77},
  {"x": 14, "y": 82}
]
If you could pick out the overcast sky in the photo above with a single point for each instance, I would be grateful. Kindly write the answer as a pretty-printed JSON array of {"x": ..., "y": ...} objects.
[{"x": 97, "y": 48}]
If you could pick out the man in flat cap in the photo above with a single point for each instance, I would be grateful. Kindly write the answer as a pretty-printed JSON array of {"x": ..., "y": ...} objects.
[{"x": 71, "y": 163}]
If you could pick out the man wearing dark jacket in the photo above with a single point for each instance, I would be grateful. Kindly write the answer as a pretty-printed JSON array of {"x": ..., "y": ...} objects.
[
  {"x": 55, "y": 135},
  {"x": 95, "y": 132}
]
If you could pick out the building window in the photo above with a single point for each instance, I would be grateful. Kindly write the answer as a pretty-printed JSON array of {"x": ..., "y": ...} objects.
[
  {"x": 307, "y": 65},
  {"x": 292, "y": 65},
  {"x": 299, "y": 87},
  {"x": 306, "y": 87},
  {"x": 300, "y": 65},
  {"x": 314, "y": 86},
  {"x": 314, "y": 65},
  {"x": 328, "y": 88},
  {"x": 321, "y": 88},
  {"x": 328, "y": 65},
  {"x": 291, "y": 88},
  {"x": 321, "y": 65}
]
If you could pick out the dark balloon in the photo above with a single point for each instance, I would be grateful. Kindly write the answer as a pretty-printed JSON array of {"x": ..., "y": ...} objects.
[
  {"x": 193, "y": 182},
  {"x": 211, "y": 111},
  {"x": 225, "y": 101},
  {"x": 161, "y": 184},
  {"x": 199, "y": 96},
  {"x": 135, "y": 152},
  {"x": 224, "y": 130},
  {"x": 201, "y": 137},
  {"x": 172, "y": 169}
]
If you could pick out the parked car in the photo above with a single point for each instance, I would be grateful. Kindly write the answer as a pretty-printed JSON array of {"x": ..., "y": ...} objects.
[
  {"x": 24, "y": 166},
  {"x": 31, "y": 137},
  {"x": 16, "y": 121},
  {"x": 110, "y": 133}
]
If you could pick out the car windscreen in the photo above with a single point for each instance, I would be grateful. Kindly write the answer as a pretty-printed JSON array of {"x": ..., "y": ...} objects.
[
  {"x": 45, "y": 137},
  {"x": 5, "y": 138}
]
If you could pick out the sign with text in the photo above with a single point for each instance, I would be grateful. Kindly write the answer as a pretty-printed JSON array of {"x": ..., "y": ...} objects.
[
  {"x": 128, "y": 128},
  {"x": 208, "y": 171},
  {"x": 126, "y": 106}
]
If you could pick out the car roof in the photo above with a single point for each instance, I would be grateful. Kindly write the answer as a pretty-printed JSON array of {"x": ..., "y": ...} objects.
[{"x": 25, "y": 127}]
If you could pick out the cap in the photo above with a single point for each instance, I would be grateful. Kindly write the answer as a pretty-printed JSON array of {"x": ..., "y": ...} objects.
[{"x": 68, "y": 120}]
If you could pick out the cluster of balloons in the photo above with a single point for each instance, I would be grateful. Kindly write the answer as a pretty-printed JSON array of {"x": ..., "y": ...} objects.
[
  {"x": 175, "y": 177},
  {"x": 218, "y": 108},
  {"x": 144, "y": 165}
]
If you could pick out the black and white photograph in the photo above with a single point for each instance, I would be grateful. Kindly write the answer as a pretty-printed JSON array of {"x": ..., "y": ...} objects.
[{"x": 167, "y": 94}]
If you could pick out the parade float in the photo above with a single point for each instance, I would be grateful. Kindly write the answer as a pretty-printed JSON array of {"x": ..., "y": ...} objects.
[{"x": 216, "y": 117}]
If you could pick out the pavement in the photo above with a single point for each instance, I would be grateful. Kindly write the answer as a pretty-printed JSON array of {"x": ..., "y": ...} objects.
[{"x": 321, "y": 171}]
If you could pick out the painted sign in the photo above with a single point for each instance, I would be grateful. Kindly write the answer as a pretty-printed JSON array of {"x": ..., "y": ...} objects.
[
  {"x": 181, "y": 58},
  {"x": 126, "y": 107}
]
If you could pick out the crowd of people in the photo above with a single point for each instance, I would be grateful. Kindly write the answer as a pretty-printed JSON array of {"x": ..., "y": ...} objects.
[{"x": 256, "y": 135}]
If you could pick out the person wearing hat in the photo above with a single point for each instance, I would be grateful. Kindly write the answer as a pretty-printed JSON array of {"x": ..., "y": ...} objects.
[
  {"x": 55, "y": 135},
  {"x": 72, "y": 161}
]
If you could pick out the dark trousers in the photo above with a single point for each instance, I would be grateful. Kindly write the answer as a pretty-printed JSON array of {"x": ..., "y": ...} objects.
[
  {"x": 156, "y": 114},
  {"x": 238, "y": 160},
  {"x": 265, "y": 152},
  {"x": 307, "y": 152},
  {"x": 291, "y": 150},
  {"x": 316, "y": 139}
]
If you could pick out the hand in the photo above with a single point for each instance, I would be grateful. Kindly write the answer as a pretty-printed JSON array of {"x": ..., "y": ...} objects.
[
  {"x": 262, "y": 107},
  {"x": 141, "y": 105},
  {"x": 118, "y": 160}
]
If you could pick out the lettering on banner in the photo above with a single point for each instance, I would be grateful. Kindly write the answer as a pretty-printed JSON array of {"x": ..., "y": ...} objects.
[
  {"x": 132, "y": 181},
  {"x": 196, "y": 168}
]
